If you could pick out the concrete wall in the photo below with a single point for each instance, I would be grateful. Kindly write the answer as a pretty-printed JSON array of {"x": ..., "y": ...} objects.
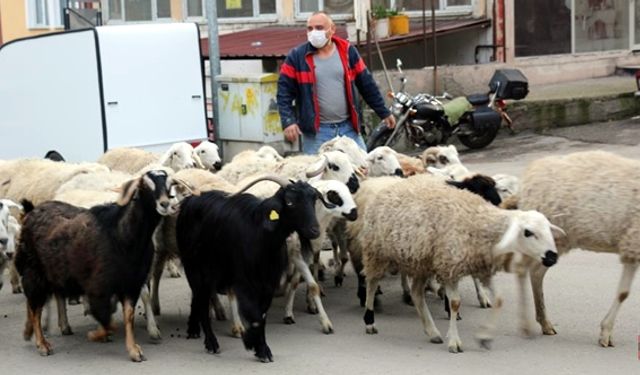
[{"x": 14, "y": 21}]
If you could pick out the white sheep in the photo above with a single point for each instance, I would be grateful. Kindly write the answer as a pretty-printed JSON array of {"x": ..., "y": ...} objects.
[
  {"x": 440, "y": 156},
  {"x": 37, "y": 180},
  {"x": 9, "y": 232},
  {"x": 446, "y": 233},
  {"x": 209, "y": 155},
  {"x": 348, "y": 146},
  {"x": 336, "y": 202},
  {"x": 383, "y": 161},
  {"x": 507, "y": 185},
  {"x": 248, "y": 163},
  {"x": 132, "y": 160},
  {"x": 593, "y": 196}
]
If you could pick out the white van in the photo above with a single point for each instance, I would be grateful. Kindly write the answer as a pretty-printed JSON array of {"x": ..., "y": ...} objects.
[{"x": 83, "y": 92}]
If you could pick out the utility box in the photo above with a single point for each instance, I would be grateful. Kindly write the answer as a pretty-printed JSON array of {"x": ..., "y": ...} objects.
[{"x": 248, "y": 113}]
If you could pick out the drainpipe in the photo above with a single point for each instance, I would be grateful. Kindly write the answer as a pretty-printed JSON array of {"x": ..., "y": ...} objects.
[{"x": 499, "y": 30}]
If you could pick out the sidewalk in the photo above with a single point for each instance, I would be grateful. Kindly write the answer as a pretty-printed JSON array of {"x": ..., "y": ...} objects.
[{"x": 575, "y": 103}]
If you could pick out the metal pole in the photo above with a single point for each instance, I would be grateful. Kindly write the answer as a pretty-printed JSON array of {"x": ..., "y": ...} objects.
[
  {"x": 424, "y": 31},
  {"x": 435, "y": 47},
  {"x": 214, "y": 65}
]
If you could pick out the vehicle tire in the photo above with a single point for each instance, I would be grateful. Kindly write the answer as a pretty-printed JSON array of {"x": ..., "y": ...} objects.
[
  {"x": 378, "y": 137},
  {"x": 479, "y": 139}
]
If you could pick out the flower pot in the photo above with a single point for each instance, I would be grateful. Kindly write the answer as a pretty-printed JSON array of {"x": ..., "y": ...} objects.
[
  {"x": 382, "y": 28},
  {"x": 399, "y": 25}
]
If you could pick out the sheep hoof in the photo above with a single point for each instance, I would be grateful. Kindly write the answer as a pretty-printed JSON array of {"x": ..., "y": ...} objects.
[
  {"x": 136, "y": 354},
  {"x": 436, "y": 340},
  {"x": 237, "y": 331},
  {"x": 485, "y": 304},
  {"x": 193, "y": 335},
  {"x": 338, "y": 280},
  {"x": 313, "y": 310},
  {"x": 455, "y": 347},
  {"x": 66, "y": 331},
  {"x": 289, "y": 320},
  {"x": 17, "y": 290},
  {"x": 45, "y": 349},
  {"x": 406, "y": 298},
  {"x": 485, "y": 343},
  {"x": 327, "y": 329},
  {"x": 606, "y": 341},
  {"x": 371, "y": 330}
]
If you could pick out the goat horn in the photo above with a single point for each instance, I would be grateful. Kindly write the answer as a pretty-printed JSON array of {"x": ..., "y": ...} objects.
[
  {"x": 198, "y": 161},
  {"x": 555, "y": 227},
  {"x": 190, "y": 188},
  {"x": 277, "y": 179},
  {"x": 317, "y": 172}
]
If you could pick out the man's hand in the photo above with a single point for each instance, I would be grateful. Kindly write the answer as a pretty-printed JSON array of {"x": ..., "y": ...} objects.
[
  {"x": 292, "y": 132},
  {"x": 390, "y": 121}
]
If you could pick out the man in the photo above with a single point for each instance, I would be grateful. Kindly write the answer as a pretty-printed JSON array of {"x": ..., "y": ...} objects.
[{"x": 321, "y": 76}]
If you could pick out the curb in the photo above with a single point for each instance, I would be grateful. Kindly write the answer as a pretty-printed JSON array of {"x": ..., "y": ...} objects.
[{"x": 545, "y": 114}]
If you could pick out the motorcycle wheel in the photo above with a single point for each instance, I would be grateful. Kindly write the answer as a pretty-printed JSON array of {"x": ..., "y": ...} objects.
[
  {"x": 478, "y": 139},
  {"x": 378, "y": 137}
]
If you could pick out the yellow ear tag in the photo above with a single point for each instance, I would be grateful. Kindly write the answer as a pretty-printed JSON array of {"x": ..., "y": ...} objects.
[{"x": 273, "y": 215}]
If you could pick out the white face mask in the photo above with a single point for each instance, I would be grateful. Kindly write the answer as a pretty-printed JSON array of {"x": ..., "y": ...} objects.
[{"x": 317, "y": 38}]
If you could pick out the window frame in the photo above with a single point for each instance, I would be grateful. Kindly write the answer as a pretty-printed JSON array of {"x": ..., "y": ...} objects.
[
  {"x": 259, "y": 18},
  {"x": 56, "y": 20},
  {"x": 123, "y": 20}
]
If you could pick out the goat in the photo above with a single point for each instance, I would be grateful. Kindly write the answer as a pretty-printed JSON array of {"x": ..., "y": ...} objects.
[{"x": 236, "y": 244}]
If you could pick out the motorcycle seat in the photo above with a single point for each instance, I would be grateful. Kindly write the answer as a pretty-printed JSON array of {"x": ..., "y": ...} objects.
[{"x": 478, "y": 99}]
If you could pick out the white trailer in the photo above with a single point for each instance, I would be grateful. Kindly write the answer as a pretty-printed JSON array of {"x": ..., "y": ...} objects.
[{"x": 86, "y": 91}]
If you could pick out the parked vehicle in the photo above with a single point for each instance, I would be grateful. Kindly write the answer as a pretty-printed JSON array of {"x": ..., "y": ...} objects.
[{"x": 475, "y": 119}]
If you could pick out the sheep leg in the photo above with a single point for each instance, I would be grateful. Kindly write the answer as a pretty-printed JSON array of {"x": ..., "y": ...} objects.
[
  {"x": 237, "y": 328},
  {"x": 152, "y": 325},
  {"x": 455, "y": 344},
  {"x": 606, "y": 327},
  {"x": 525, "y": 321},
  {"x": 101, "y": 310},
  {"x": 369, "y": 315},
  {"x": 314, "y": 293},
  {"x": 481, "y": 293},
  {"x": 218, "y": 309},
  {"x": 406, "y": 290},
  {"x": 487, "y": 331},
  {"x": 43, "y": 346},
  {"x": 254, "y": 309},
  {"x": 63, "y": 321},
  {"x": 290, "y": 295},
  {"x": 135, "y": 352},
  {"x": 340, "y": 250},
  {"x": 159, "y": 259},
  {"x": 419, "y": 301},
  {"x": 16, "y": 288},
  {"x": 537, "y": 278}
]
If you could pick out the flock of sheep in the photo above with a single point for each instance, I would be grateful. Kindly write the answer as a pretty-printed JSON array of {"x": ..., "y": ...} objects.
[{"x": 104, "y": 232}]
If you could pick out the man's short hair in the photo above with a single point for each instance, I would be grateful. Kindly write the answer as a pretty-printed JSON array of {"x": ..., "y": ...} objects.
[{"x": 322, "y": 12}]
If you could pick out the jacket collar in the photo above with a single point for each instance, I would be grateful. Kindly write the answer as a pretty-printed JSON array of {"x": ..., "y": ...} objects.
[{"x": 341, "y": 44}]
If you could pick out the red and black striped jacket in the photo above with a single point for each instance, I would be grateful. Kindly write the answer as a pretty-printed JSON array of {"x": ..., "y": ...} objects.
[{"x": 297, "y": 82}]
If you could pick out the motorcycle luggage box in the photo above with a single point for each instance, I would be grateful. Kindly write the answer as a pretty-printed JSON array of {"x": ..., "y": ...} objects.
[
  {"x": 513, "y": 84},
  {"x": 484, "y": 118},
  {"x": 478, "y": 99}
]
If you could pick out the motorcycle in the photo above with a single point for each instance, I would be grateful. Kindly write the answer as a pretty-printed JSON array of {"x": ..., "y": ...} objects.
[{"x": 475, "y": 119}]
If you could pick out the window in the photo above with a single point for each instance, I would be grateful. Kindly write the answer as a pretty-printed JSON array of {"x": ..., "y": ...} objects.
[
  {"x": 139, "y": 10},
  {"x": 545, "y": 27},
  {"x": 416, "y": 5},
  {"x": 333, "y": 7},
  {"x": 45, "y": 13},
  {"x": 233, "y": 8}
]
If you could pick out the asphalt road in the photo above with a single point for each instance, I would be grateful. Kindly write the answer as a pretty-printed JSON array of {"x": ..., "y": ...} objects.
[{"x": 579, "y": 291}]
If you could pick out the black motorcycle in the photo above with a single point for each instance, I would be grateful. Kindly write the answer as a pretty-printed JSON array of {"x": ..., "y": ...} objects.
[{"x": 474, "y": 119}]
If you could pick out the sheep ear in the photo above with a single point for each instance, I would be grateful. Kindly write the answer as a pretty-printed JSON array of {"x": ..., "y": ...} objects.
[
  {"x": 558, "y": 229},
  {"x": 510, "y": 235},
  {"x": 128, "y": 189},
  {"x": 198, "y": 161},
  {"x": 10, "y": 204}
]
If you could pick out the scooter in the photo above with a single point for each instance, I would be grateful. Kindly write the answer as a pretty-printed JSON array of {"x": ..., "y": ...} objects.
[{"x": 475, "y": 119}]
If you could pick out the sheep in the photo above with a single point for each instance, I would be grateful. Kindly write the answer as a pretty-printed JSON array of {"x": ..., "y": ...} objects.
[
  {"x": 410, "y": 165},
  {"x": 383, "y": 161},
  {"x": 348, "y": 146},
  {"x": 132, "y": 160},
  {"x": 236, "y": 243},
  {"x": 37, "y": 180},
  {"x": 102, "y": 252},
  {"x": 593, "y": 196},
  {"x": 463, "y": 236},
  {"x": 336, "y": 202},
  {"x": 440, "y": 156},
  {"x": 507, "y": 185},
  {"x": 209, "y": 155},
  {"x": 248, "y": 163},
  {"x": 9, "y": 232}
]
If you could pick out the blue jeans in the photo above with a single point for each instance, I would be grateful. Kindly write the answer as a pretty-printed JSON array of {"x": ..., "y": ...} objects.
[{"x": 312, "y": 142}]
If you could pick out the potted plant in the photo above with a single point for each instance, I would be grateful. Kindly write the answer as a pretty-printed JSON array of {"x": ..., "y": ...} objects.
[
  {"x": 381, "y": 21},
  {"x": 398, "y": 23}
]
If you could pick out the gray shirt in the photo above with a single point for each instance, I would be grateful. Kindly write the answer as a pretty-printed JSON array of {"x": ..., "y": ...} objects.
[{"x": 330, "y": 87}]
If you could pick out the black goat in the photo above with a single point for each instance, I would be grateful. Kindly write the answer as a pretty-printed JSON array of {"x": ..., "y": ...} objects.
[
  {"x": 236, "y": 243},
  {"x": 104, "y": 253}
]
